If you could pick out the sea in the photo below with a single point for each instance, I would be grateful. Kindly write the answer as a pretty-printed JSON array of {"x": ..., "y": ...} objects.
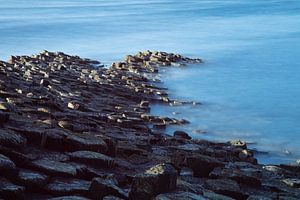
[{"x": 248, "y": 85}]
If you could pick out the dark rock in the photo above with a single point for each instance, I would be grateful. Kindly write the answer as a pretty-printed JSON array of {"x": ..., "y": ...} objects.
[
  {"x": 182, "y": 134},
  {"x": 4, "y": 117},
  {"x": 92, "y": 158},
  {"x": 32, "y": 179},
  {"x": 60, "y": 186},
  {"x": 69, "y": 198},
  {"x": 291, "y": 167},
  {"x": 202, "y": 165},
  {"x": 214, "y": 196},
  {"x": 237, "y": 175},
  {"x": 103, "y": 187},
  {"x": 7, "y": 167},
  {"x": 112, "y": 198},
  {"x": 9, "y": 190},
  {"x": 85, "y": 142},
  {"x": 45, "y": 82},
  {"x": 56, "y": 168},
  {"x": 11, "y": 139},
  {"x": 225, "y": 187},
  {"x": 179, "y": 196},
  {"x": 158, "y": 179}
]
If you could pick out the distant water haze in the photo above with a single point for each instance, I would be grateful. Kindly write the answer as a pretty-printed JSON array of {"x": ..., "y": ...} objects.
[{"x": 249, "y": 85}]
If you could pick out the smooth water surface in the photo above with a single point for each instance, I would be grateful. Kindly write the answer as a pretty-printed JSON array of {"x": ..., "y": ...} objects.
[{"x": 249, "y": 84}]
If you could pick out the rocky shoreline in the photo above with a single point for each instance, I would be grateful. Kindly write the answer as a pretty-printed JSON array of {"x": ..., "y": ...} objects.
[{"x": 71, "y": 129}]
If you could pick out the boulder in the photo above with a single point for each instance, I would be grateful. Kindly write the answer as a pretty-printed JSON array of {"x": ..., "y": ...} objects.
[
  {"x": 62, "y": 186},
  {"x": 101, "y": 187},
  {"x": 156, "y": 180},
  {"x": 225, "y": 187},
  {"x": 9, "y": 190},
  {"x": 202, "y": 165},
  {"x": 182, "y": 134},
  {"x": 92, "y": 158}
]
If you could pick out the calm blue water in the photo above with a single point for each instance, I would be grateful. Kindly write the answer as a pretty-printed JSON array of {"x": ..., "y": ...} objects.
[{"x": 249, "y": 84}]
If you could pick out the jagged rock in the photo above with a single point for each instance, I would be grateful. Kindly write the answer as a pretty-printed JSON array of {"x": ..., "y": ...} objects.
[
  {"x": 11, "y": 139},
  {"x": 62, "y": 186},
  {"x": 9, "y": 190},
  {"x": 202, "y": 165},
  {"x": 179, "y": 196},
  {"x": 225, "y": 187},
  {"x": 158, "y": 179},
  {"x": 85, "y": 142},
  {"x": 182, "y": 134},
  {"x": 103, "y": 187},
  {"x": 56, "y": 168},
  {"x": 92, "y": 158},
  {"x": 32, "y": 179},
  {"x": 188, "y": 187}
]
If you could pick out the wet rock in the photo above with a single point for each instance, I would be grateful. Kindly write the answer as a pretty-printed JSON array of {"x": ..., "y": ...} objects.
[
  {"x": 11, "y": 139},
  {"x": 103, "y": 187},
  {"x": 258, "y": 197},
  {"x": 69, "y": 198},
  {"x": 45, "y": 82},
  {"x": 182, "y": 134},
  {"x": 179, "y": 196},
  {"x": 112, "y": 198},
  {"x": 4, "y": 117},
  {"x": 214, "y": 196},
  {"x": 237, "y": 175},
  {"x": 9, "y": 190},
  {"x": 32, "y": 179},
  {"x": 225, "y": 187},
  {"x": 202, "y": 165},
  {"x": 85, "y": 142},
  {"x": 92, "y": 158},
  {"x": 60, "y": 186},
  {"x": 56, "y": 168},
  {"x": 291, "y": 167},
  {"x": 7, "y": 167},
  {"x": 158, "y": 179}
]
